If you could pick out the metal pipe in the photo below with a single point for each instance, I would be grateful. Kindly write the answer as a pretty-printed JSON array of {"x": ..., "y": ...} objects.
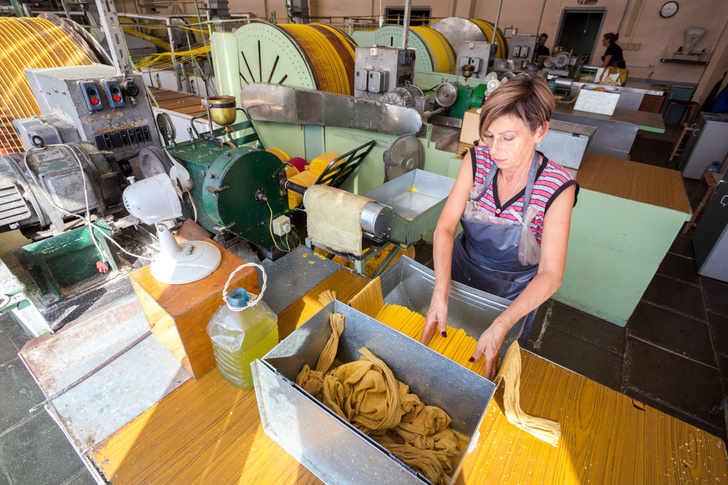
[
  {"x": 495, "y": 25},
  {"x": 540, "y": 18},
  {"x": 405, "y": 33},
  {"x": 172, "y": 49}
]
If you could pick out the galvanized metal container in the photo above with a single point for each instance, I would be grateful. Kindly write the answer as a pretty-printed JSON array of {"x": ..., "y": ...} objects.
[
  {"x": 331, "y": 448},
  {"x": 410, "y": 284},
  {"x": 417, "y": 199}
]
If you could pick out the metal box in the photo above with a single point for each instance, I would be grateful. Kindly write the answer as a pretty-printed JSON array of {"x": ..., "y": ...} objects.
[
  {"x": 410, "y": 284},
  {"x": 331, "y": 448},
  {"x": 84, "y": 96},
  {"x": 397, "y": 64},
  {"x": 475, "y": 53},
  {"x": 377, "y": 82},
  {"x": 417, "y": 199},
  {"x": 523, "y": 47},
  {"x": 567, "y": 143}
]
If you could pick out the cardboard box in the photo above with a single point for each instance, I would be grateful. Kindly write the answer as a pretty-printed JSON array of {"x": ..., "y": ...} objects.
[
  {"x": 599, "y": 102},
  {"x": 471, "y": 126}
]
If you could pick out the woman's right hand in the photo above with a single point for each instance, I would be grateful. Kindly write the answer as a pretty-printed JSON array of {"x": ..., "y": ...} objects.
[{"x": 436, "y": 319}]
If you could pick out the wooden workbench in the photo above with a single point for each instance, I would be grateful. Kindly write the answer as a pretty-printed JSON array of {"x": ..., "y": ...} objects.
[{"x": 208, "y": 431}]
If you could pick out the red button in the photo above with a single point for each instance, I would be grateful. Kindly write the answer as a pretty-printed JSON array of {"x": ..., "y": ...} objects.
[
  {"x": 117, "y": 98},
  {"x": 94, "y": 100}
]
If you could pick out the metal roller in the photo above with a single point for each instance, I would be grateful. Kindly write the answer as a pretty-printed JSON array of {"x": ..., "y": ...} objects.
[
  {"x": 460, "y": 29},
  {"x": 311, "y": 56},
  {"x": 439, "y": 54}
]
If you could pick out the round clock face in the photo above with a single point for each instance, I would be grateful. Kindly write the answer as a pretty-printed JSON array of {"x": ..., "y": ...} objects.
[{"x": 668, "y": 10}]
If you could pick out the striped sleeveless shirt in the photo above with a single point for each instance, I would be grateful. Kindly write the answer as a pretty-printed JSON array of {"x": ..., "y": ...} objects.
[{"x": 551, "y": 180}]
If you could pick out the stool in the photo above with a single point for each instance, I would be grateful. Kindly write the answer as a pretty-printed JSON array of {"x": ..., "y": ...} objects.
[
  {"x": 687, "y": 113},
  {"x": 681, "y": 142},
  {"x": 711, "y": 180}
]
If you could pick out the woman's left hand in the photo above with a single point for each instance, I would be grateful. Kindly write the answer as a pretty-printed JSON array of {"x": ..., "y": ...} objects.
[{"x": 489, "y": 347}]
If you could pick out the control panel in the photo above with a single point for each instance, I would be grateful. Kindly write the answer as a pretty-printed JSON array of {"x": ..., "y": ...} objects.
[
  {"x": 381, "y": 69},
  {"x": 107, "y": 109}
]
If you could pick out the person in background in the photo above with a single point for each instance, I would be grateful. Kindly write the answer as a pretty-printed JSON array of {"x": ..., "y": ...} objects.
[
  {"x": 613, "y": 55},
  {"x": 496, "y": 184},
  {"x": 541, "y": 49}
]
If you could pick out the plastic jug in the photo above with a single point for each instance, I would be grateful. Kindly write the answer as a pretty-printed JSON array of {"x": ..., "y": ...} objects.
[
  {"x": 712, "y": 168},
  {"x": 241, "y": 331}
]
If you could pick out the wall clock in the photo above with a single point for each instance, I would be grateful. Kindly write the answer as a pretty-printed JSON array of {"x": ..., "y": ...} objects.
[{"x": 668, "y": 10}]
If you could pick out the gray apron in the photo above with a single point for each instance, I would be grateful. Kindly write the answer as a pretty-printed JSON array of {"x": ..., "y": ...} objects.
[{"x": 485, "y": 255}]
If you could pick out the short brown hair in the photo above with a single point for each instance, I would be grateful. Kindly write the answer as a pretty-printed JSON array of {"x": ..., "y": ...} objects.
[
  {"x": 527, "y": 98},
  {"x": 611, "y": 37}
]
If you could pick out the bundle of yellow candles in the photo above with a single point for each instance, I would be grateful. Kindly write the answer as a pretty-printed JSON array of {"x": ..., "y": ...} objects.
[{"x": 457, "y": 346}]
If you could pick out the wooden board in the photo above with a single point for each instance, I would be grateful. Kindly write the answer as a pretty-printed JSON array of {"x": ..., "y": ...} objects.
[
  {"x": 180, "y": 102},
  {"x": 178, "y": 314},
  {"x": 634, "y": 181},
  {"x": 208, "y": 431}
]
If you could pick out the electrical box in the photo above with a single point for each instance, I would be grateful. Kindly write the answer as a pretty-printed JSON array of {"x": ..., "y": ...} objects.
[
  {"x": 386, "y": 68},
  {"x": 377, "y": 82},
  {"x": 523, "y": 47},
  {"x": 476, "y": 54},
  {"x": 103, "y": 105},
  {"x": 361, "y": 80}
]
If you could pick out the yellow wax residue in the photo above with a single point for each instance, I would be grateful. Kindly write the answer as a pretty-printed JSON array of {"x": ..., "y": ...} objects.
[{"x": 413, "y": 189}]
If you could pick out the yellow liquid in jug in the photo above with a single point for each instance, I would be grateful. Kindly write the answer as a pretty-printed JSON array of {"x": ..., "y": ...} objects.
[{"x": 260, "y": 338}]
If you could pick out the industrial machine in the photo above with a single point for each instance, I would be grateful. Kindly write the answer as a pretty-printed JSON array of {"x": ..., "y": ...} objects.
[
  {"x": 523, "y": 48},
  {"x": 459, "y": 29},
  {"x": 107, "y": 109},
  {"x": 458, "y": 98},
  {"x": 560, "y": 64},
  {"x": 435, "y": 53},
  {"x": 473, "y": 58},
  {"x": 93, "y": 122}
]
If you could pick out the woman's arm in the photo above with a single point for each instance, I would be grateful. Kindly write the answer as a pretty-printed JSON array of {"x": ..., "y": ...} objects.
[
  {"x": 607, "y": 60},
  {"x": 554, "y": 242},
  {"x": 442, "y": 246}
]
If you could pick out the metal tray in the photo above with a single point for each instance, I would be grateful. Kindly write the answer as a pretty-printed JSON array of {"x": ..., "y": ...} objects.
[
  {"x": 331, "y": 448},
  {"x": 417, "y": 199},
  {"x": 410, "y": 284}
]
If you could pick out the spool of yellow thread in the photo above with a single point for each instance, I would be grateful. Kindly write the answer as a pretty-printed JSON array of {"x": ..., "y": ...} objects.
[
  {"x": 319, "y": 164},
  {"x": 305, "y": 178},
  {"x": 279, "y": 153}
]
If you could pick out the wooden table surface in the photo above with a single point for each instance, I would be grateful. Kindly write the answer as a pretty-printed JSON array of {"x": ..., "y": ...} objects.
[
  {"x": 634, "y": 181},
  {"x": 208, "y": 431}
]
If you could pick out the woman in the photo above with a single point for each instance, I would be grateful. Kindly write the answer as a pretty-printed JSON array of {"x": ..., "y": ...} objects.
[
  {"x": 503, "y": 174},
  {"x": 613, "y": 55}
]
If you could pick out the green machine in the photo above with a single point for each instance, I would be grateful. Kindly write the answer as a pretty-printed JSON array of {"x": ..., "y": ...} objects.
[
  {"x": 236, "y": 186},
  {"x": 459, "y": 98}
]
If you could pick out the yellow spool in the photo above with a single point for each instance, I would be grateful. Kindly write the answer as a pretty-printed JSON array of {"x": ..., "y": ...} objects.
[
  {"x": 487, "y": 29},
  {"x": 30, "y": 43},
  {"x": 283, "y": 156},
  {"x": 305, "y": 178},
  {"x": 319, "y": 164},
  {"x": 328, "y": 56},
  {"x": 443, "y": 54}
]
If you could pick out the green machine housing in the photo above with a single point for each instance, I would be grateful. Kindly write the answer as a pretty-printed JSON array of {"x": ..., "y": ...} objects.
[{"x": 234, "y": 189}]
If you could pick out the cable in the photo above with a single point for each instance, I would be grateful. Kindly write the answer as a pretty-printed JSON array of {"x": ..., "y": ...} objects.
[{"x": 270, "y": 228}]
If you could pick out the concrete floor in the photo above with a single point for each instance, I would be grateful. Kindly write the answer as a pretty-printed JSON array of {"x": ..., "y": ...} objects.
[{"x": 673, "y": 355}]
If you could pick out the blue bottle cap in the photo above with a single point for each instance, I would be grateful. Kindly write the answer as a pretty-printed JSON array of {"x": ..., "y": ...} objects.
[{"x": 238, "y": 298}]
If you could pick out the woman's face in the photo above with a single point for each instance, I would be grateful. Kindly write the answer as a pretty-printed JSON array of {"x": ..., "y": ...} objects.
[
  {"x": 605, "y": 42},
  {"x": 511, "y": 142}
]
